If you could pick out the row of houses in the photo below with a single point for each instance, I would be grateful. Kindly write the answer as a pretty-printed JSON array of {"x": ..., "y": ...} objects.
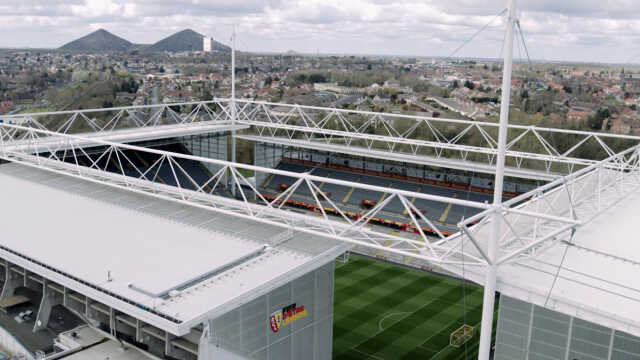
[{"x": 5, "y": 106}]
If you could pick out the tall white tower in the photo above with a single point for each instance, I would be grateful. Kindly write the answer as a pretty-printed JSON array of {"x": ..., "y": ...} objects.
[{"x": 206, "y": 44}]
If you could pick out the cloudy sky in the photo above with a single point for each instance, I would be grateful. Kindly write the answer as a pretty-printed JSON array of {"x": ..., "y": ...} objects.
[{"x": 571, "y": 30}]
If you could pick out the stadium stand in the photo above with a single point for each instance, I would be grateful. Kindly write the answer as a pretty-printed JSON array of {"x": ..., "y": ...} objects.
[{"x": 354, "y": 200}]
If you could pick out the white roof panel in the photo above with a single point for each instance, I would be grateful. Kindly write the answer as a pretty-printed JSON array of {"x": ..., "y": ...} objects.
[
  {"x": 139, "y": 248},
  {"x": 150, "y": 252}
]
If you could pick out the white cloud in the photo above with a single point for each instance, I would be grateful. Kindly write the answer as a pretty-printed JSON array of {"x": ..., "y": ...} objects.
[
  {"x": 97, "y": 8},
  {"x": 555, "y": 29}
]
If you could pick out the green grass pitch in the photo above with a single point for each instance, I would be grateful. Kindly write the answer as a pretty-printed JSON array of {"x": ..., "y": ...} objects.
[{"x": 388, "y": 312}]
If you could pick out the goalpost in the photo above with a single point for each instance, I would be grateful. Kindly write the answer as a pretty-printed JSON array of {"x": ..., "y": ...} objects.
[{"x": 344, "y": 257}]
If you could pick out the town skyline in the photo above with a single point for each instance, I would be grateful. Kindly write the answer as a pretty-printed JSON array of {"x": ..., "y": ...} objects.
[{"x": 574, "y": 31}]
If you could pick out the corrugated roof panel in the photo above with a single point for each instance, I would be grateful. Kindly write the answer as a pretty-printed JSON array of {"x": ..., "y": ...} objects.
[{"x": 113, "y": 239}]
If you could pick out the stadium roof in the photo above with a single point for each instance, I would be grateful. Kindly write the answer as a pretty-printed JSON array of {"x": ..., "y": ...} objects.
[
  {"x": 168, "y": 264},
  {"x": 592, "y": 275},
  {"x": 128, "y": 135}
]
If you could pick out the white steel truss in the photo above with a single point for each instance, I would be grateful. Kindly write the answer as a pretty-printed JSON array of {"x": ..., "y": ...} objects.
[
  {"x": 532, "y": 222},
  {"x": 66, "y": 156},
  {"x": 580, "y": 196},
  {"x": 326, "y": 219},
  {"x": 129, "y": 124},
  {"x": 126, "y": 117},
  {"x": 531, "y": 152}
]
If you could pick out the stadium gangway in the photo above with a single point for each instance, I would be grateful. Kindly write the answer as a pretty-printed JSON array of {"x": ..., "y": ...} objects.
[
  {"x": 124, "y": 124},
  {"x": 327, "y": 219}
]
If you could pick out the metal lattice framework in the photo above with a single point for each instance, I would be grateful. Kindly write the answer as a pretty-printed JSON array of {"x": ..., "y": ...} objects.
[
  {"x": 580, "y": 196},
  {"x": 329, "y": 220},
  {"x": 549, "y": 211},
  {"x": 129, "y": 124},
  {"x": 103, "y": 121},
  {"x": 532, "y": 152},
  {"x": 68, "y": 154}
]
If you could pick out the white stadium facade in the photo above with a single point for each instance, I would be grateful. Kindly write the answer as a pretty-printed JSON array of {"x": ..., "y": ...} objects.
[{"x": 139, "y": 223}]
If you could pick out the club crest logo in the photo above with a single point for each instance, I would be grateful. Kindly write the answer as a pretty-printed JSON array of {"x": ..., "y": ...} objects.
[
  {"x": 286, "y": 316},
  {"x": 275, "y": 321}
]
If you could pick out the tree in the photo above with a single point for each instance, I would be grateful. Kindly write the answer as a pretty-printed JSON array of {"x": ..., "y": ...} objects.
[
  {"x": 595, "y": 121},
  {"x": 317, "y": 78},
  {"x": 206, "y": 95},
  {"x": 469, "y": 85}
]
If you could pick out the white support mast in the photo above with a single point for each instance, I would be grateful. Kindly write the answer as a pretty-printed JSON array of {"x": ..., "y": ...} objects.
[
  {"x": 488, "y": 301},
  {"x": 233, "y": 101}
]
